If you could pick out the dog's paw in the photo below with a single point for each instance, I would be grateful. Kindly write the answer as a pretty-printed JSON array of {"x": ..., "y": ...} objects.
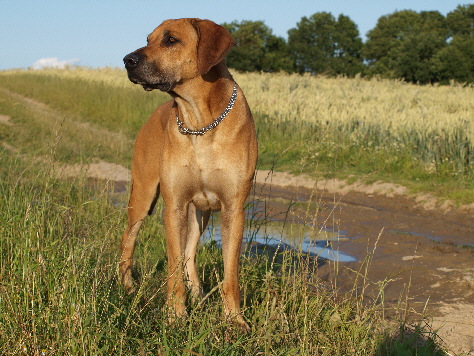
[
  {"x": 238, "y": 322},
  {"x": 126, "y": 280},
  {"x": 243, "y": 326}
]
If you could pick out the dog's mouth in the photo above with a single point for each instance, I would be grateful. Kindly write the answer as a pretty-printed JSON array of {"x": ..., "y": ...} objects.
[
  {"x": 160, "y": 86},
  {"x": 144, "y": 73},
  {"x": 151, "y": 86},
  {"x": 147, "y": 87}
]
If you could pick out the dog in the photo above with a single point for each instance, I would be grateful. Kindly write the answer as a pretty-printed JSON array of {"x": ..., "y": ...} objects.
[{"x": 198, "y": 150}]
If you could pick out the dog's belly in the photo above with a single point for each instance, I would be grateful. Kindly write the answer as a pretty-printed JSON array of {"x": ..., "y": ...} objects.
[{"x": 206, "y": 200}]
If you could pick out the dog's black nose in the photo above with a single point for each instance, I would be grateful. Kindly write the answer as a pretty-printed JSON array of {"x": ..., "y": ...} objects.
[{"x": 131, "y": 60}]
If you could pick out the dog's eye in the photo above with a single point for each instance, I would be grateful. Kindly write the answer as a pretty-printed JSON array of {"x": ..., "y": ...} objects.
[{"x": 171, "y": 40}]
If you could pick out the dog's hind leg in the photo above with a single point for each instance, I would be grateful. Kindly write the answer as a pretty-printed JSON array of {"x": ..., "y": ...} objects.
[{"x": 197, "y": 222}]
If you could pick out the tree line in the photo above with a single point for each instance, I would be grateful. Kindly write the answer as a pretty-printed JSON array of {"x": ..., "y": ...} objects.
[{"x": 420, "y": 47}]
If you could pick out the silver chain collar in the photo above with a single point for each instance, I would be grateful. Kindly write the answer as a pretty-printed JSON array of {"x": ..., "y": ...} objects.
[{"x": 212, "y": 125}]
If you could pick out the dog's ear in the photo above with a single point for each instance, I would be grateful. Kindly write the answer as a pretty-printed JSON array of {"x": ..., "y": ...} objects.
[{"x": 214, "y": 42}]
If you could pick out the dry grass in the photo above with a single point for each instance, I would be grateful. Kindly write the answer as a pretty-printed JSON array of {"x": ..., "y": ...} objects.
[
  {"x": 436, "y": 121},
  {"x": 419, "y": 136},
  {"x": 114, "y": 77}
]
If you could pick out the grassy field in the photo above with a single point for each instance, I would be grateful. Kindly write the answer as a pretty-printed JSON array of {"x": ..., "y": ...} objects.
[
  {"x": 59, "y": 293},
  {"x": 419, "y": 136},
  {"x": 59, "y": 238}
]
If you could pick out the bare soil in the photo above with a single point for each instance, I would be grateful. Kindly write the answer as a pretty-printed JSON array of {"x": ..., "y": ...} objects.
[{"x": 425, "y": 248}]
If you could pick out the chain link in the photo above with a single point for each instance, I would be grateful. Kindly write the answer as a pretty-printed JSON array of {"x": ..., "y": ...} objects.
[{"x": 185, "y": 131}]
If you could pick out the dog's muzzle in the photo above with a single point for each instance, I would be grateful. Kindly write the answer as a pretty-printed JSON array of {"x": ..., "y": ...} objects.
[{"x": 142, "y": 72}]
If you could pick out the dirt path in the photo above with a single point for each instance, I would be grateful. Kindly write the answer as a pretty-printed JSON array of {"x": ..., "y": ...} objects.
[{"x": 424, "y": 247}]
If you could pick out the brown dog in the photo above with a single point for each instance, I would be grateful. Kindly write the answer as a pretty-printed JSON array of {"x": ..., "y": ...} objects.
[{"x": 186, "y": 151}]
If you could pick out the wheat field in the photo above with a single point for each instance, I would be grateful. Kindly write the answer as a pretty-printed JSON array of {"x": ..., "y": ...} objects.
[
  {"x": 373, "y": 125},
  {"x": 436, "y": 122}
]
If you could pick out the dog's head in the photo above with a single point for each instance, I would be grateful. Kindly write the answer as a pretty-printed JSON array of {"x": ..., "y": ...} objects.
[{"x": 178, "y": 50}]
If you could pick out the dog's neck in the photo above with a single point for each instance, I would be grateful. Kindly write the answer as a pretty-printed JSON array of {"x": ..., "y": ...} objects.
[{"x": 199, "y": 107}]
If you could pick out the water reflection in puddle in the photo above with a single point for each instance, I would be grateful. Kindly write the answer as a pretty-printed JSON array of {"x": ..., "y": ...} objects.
[
  {"x": 441, "y": 240},
  {"x": 283, "y": 235}
]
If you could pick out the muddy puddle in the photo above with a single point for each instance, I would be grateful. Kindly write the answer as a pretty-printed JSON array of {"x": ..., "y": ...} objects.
[
  {"x": 264, "y": 232},
  {"x": 426, "y": 254}
]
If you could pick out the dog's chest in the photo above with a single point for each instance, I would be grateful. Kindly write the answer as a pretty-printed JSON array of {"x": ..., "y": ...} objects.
[
  {"x": 208, "y": 177},
  {"x": 205, "y": 193}
]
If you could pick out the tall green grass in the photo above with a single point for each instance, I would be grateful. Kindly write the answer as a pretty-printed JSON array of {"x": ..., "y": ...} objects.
[
  {"x": 115, "y": 108},
  {"x": 59, "y": 292}
]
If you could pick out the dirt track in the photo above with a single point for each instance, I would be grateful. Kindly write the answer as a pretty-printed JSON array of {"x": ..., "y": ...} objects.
[{"x": 429, "y": 250}]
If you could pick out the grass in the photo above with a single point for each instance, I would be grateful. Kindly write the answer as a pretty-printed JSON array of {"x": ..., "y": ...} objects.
[
  {"x": 418, "y": 136},
  {"x": 59, "y": 293},
  {"x": 34, "y": 127},
  {"x": 112, "y": 107},
  {"x": 59, "y": 248}
]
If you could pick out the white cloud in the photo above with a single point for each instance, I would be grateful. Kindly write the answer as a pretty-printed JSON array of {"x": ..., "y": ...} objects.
[{"x": 54, "y": 62}]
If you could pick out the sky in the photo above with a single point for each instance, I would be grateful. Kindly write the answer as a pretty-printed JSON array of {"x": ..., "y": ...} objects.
[{"x": 99, "y": 33}]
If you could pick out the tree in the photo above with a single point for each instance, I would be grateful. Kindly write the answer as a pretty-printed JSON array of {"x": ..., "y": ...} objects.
[
  {"x": 348, "y": 52},
  {"x": 415, "y": 59},
  {"x": 403, "y": 44},
  {"x": 456, "y": 61},
  {"x": 460, "y": 22},
  {"x": 277, "y": 56},
  {"x": 322, "y": 44},
  {"x": 257, "y": 49}
]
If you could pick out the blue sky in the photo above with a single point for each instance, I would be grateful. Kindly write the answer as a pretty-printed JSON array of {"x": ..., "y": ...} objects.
[{"x": 100, "y": 33}]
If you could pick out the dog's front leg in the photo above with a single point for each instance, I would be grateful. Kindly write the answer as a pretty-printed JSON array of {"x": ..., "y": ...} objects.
[
  {"x": 232, "y": 233},
  {"x": 197, "y": 222},
  {"x": 176, "y": 230},
  {"x": 142, "y": 199}
]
